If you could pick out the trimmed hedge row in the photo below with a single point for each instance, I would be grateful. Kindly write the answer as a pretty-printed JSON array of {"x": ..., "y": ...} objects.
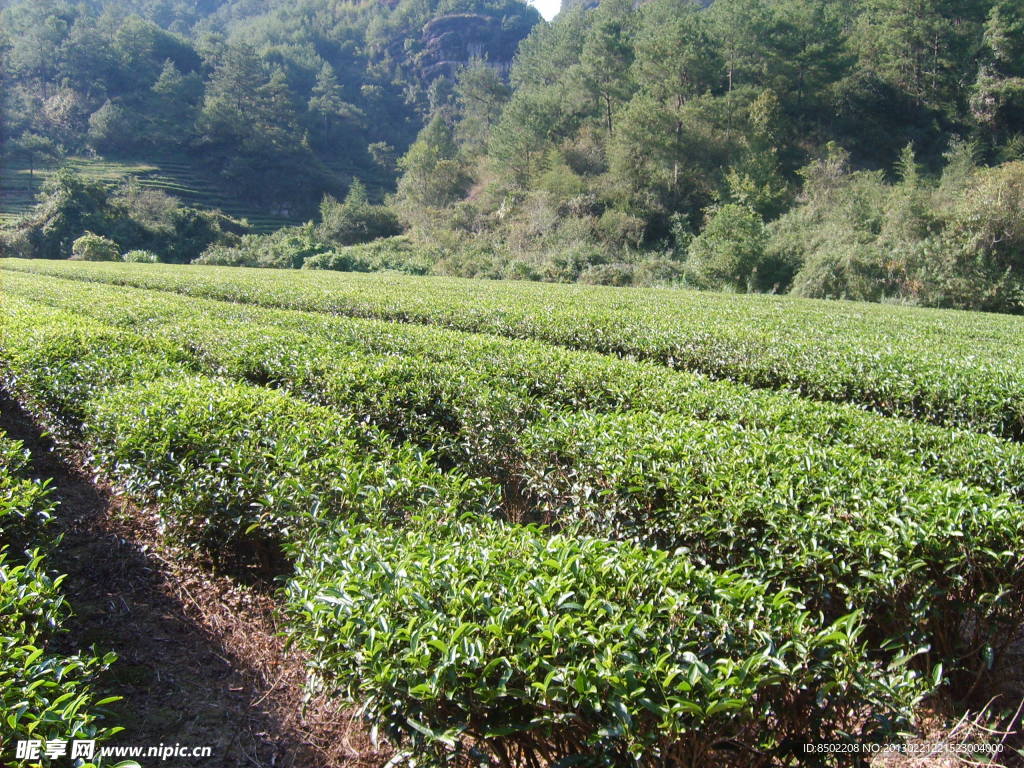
[
  {"x": 208, "y": 452},
  {"x": 933, "y": 564},
  {"x": 730, "y": 492},
  {"x": 449, "y": 390},
  {"x": 227, "y": 461},
  {"x": 946, "y": 367},
  {"x": 476, "y": 637},
  {"x": 611, "y": 652}
]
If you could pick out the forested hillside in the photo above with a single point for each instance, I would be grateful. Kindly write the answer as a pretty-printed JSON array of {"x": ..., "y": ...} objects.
[
  {"x": 279, "y": 101},
  {"x": 835, "y": 148}
]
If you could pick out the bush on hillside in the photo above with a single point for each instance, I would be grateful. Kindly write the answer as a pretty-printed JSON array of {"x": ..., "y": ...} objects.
[
  {"x": 92, "y": 247},
  {"x": 130, "y": 216},
  {"x": 395, "y": 253},
  {"x": 979, "y": 262},
  {"x": 287, "y": 248},
  {"x": 730, "y": 250},
  {"x": 356, "y": 220}
]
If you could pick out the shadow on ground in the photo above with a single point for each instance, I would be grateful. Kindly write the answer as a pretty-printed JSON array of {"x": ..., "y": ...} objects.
[{"x": 200, "y": 660}]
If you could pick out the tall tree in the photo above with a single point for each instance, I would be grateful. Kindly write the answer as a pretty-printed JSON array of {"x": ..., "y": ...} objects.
[
  {"x": 233, "y": 96},
  {"x": 606, "y": 57},
  {"x": 921, "y": 47},
  {"x": 327, "y": 100},
  {"x": 997, "y": 97},
  {"x": 480, "y": 93}
]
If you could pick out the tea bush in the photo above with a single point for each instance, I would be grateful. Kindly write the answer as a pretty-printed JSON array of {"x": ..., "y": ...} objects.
[
  {"x": 925, "y": 560},
  {"x": 91, "y": 247},
  {"x": 475, "y": 637},
  {"x": 727, "y": 573},
  {"x": 43, "y": 694},
  {"x": 230, "y": 463}
]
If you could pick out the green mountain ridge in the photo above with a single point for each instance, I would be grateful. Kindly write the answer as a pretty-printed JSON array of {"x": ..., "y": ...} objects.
[{"x": 269, "y": 99}]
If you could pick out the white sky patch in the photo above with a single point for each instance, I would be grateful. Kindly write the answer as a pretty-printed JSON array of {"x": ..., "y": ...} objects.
[{"x": 547, "y": 8}]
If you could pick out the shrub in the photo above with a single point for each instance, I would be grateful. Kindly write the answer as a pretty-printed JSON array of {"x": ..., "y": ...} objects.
[
  {"x": 345, "y": 260},
  {"x": 43, "y": 694},
  {"x": 524, "y": 645},
  {"x": 16, "y": 243},
  {"x": 141, "y": 257},
  {"x": 658, "y": 271},
  {"x": 517, "y": 269},
  {"x": 620, "y": 230},
  {"x": 608, "y": 274},
  {"x": 287, "y": 248},
  {"x": 391, "y": 253},
  {"x": 924, "y": 559},
  {"x": 238, "y": 466},
  {"x": 228, "y": 256},
  {"x": 90, "y": 247},
  {"x": 729, "y": 250},
  {"x": 356, "y": 220},
  {"x": 980, "y": 260},
  {"x": 850, "y": 270}
]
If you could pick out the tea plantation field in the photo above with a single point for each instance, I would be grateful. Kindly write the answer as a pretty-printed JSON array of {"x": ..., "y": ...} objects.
[{"x": 547, "y": 524}]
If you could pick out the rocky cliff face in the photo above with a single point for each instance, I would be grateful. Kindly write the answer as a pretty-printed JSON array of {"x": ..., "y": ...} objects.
[
  {"x": 570, "y": 4},
  {"x": 448, "y": 42}
]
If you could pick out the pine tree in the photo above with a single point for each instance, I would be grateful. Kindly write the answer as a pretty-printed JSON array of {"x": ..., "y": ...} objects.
[
  {"x": 326, "y": 100},
  {"x": 233, "y": 96},
  {"x": 607, "y": 55},
  {"x": 480, "y": 93}
]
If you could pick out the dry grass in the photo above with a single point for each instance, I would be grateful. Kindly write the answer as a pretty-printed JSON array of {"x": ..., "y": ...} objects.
[{"x": 977, "y": 738}]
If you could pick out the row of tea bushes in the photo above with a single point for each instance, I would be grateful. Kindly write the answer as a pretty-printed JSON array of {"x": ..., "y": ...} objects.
[
  {"x": 729, "y": 492},
  {"x": 946, "y": 367},
  {"x": 934, "y": 565},
  {"x": 451, "y": 391},
  {"x": 539, "y": 648},
  {"x": 609, "y": 652},
  {"x": 232, "y": 465}
]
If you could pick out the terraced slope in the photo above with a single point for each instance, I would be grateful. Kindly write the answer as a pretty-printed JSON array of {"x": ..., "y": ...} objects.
[{"x": 174, "y": 176}]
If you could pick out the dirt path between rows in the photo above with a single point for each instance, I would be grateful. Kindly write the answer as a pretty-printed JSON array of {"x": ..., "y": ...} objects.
[{"x": 200, "y": 661}]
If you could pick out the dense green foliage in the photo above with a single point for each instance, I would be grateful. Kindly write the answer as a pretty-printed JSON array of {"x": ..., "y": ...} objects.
[
  {"x": 393, "y": 253},
  {"x": 76, "y": 210},
  {"x": 140, "y": 257},
  {"x": 279, "y": 102},
  {"x": 778, "y": 673},
  {"x": 865, "y": 150},
  {"x": 399, "y": 464},
  {"x": 223, "y": 462},
  {"x": 469, "y": 396},
  {"x": 846, "y": 530},
  {"x": 944, "y": 367},
  {"x": 543, "y": 646},
  {"x": 752, "y": 144},
  {"x": 43, "y": 694},
  {"x": 91, "y": 247}
]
